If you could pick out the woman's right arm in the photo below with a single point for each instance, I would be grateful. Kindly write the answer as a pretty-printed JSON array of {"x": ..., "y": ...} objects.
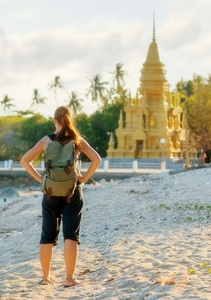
[{"x": 31, "y": 155}]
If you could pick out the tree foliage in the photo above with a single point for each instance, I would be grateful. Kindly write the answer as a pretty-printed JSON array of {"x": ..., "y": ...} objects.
[
  {"x": 11, "y": 144},
  {"x": 110, "y": 115},
  {"x": 186, "y": 87},
  {"x": 199, "y": 113},
  {"x": 35, "y": 128}
]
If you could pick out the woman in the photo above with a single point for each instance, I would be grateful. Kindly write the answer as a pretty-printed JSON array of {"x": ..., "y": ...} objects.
[{"x": 57, "y": 207}]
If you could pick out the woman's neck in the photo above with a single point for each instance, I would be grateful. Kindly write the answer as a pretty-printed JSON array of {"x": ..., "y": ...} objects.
[{"x": 58, "y": 128}]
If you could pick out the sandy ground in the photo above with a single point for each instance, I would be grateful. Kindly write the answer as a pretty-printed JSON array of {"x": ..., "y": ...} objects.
[{"x": 140, "y": 238}]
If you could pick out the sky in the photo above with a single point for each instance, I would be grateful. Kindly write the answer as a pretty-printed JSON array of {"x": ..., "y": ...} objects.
[{"x": 78, "y": 39}]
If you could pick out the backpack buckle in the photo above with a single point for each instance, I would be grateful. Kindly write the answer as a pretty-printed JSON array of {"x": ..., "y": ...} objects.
[{"x": 68, "y": 167}]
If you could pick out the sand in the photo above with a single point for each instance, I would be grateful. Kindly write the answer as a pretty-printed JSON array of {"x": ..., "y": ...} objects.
[{"x": 140, "y": 238}]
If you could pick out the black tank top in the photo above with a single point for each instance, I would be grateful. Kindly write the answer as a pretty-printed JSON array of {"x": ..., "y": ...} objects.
[{"x": 52, "y": 136}]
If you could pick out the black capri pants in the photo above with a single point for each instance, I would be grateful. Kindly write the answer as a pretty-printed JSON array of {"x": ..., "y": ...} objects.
[{"x": 56, "y": 209}]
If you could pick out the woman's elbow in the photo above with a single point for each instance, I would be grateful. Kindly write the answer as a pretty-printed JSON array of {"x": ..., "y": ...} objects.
[
  {"x": 22, "y": 161},
  {"x": 98, "y": 160}
]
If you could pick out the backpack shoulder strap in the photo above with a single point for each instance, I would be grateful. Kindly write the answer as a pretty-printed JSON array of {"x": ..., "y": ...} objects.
[{"x": 48, "y": 138}]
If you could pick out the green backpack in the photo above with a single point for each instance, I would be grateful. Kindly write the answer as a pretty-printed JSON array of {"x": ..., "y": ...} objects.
[{"x": 60, "y": 176}]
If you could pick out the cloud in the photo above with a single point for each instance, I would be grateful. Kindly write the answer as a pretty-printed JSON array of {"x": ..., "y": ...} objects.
[
  {"x": 80, "y": 51},
  {"x": 27, "y": 14},
  {"x": 186, "y": 25},
  {"x": 95, "y": 45}
]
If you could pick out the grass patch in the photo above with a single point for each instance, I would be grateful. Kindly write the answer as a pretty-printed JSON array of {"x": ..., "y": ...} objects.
[{"x": 195, "y": 212}]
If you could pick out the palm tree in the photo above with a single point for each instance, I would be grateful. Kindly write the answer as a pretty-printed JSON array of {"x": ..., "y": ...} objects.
[
  {"x": 97, "y": 89},
  {"x": 118, "y": 77},
  {"x": 37, "y": 99},
  {"x": 74, "y": 102},
  {"x": 6, "y": 103},
  {"x": 56, "y": 84}
]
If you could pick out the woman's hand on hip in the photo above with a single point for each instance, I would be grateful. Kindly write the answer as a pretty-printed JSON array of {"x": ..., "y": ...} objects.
[{"x": 80, "y": 178}]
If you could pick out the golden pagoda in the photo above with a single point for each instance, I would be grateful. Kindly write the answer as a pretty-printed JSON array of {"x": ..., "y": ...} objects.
[{"x": 151, "y": 117}]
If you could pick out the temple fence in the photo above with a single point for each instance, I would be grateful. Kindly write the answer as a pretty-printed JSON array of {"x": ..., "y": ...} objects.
[{"x": 105, "y": 166}]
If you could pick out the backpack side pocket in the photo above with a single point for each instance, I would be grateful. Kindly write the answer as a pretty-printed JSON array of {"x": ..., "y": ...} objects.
[{"x": 43, "y": 187}]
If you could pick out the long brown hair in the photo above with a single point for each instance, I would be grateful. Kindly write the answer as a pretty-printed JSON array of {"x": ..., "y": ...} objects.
[{"x": 68, "y": 132}]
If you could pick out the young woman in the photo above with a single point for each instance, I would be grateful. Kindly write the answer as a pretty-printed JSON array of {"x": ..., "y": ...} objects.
[{"x": 57, "y": 208}]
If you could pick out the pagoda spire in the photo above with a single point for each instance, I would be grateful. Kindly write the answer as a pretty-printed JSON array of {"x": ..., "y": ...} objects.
[
  {"x": 121, "y": 122},
  {"x": 152, "y": 54},
  {"x": 153, "y": 37},
  {"x": 153, "y": 72},
  {"x": 111, "y": 142}
]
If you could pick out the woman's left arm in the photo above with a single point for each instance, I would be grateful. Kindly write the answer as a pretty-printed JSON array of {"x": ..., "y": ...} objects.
[
  {"x": 95, "y": 161},
  {"x": 30, "y": 156}
]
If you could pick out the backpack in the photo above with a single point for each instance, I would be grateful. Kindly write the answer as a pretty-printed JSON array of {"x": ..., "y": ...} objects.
[{"x": 60, "y": 176}]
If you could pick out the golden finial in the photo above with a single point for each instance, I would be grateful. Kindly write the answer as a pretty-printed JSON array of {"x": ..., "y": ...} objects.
[{"x": 153, "y": 37}]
